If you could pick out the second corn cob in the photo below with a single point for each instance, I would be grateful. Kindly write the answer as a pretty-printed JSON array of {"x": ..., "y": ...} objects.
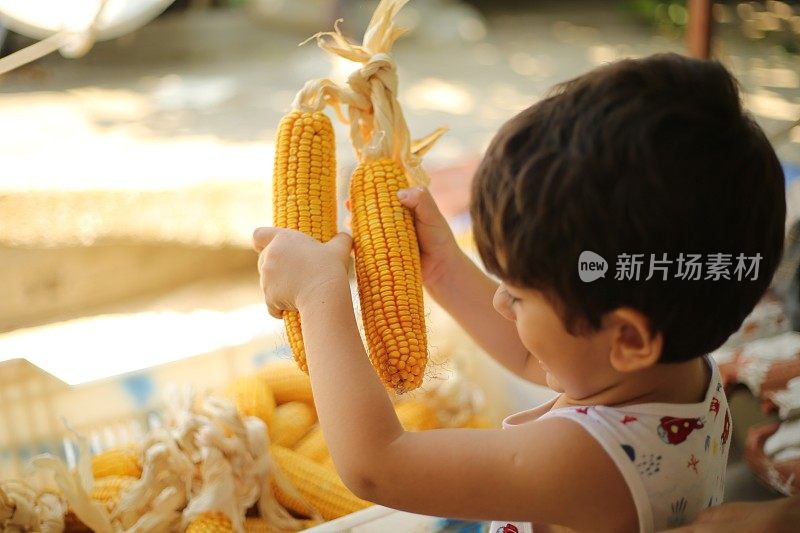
[
  {"x": 313, "y": 445},
  {"x": 210, "y": 522},
  {"x": 304, "y": 191},
  {"x": 123, "y": 461},
  {"x": 291, "y": 421},
  {"x": 107, "y": 490},
  {"x": 319, "y": 486},
  {"x": 286, "y": 381},
  {"x": 252, "y": 397},
  {"x": 416, "y": 416},
  {"x": 388, "y": 272}
]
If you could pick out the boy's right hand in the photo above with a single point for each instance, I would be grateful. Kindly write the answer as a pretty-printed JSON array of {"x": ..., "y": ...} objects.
[{"x": 437, "y": 244}]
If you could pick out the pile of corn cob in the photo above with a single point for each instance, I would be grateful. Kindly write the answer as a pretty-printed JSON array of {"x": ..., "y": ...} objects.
[
  {"x": 387, "y": 260},
  {"x": 226, "y": 466},
  {"x": 255, "y": 460},
  {"x": 447, "y": 404}
]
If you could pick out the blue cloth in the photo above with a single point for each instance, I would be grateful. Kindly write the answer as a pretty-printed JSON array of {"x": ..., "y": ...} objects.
[{"x": 791, "y": 172}]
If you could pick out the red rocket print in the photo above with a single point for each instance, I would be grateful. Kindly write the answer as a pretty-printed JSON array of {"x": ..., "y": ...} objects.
[
  {"x": 582, "y": 410},
  {"x": 693, "y": 462},
  {"x": 508, "y": 528},
  {"x": 714, "y": 407},
  {"x": 675, "y": 430},
  {"x": 726, "y": 428},
  {"x": 628, "y": 419}
]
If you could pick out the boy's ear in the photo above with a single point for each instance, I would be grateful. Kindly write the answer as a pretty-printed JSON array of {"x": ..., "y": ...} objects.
[{"x": 633, "y": 345}]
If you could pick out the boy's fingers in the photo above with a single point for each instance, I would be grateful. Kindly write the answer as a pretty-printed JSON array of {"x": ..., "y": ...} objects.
[
  {"x": 420, "y": 200},
  {"x": 342, "y": 241},
  {"x": 263, "y": 236},
  {"x": 275, "y": 312}
]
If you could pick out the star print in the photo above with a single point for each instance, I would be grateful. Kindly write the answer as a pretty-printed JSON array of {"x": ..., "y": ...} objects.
[
  {"x": 693, "y": 462},
  {"x": 628, "y": 419}
]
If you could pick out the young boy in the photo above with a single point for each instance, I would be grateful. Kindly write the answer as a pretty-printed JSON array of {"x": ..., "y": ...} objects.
[{"x": 649, "y": 166}]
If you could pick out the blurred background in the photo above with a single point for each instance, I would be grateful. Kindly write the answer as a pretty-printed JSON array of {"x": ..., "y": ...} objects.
[{"x": 132, "y": 177}]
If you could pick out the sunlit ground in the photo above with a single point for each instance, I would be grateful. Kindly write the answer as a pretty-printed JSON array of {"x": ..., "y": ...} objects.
[{"x": 193, "y": 99}]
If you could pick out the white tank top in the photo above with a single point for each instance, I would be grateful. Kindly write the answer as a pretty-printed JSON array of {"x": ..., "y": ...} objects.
[{"x": 672, "y": 456}]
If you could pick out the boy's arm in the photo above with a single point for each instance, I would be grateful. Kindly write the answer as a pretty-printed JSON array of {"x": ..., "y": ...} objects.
[
  {"x": 466, "y": 293},
  {"x": 550, "y": 471}
]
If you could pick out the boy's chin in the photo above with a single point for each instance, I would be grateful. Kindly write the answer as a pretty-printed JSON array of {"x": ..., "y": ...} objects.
[{"x": 553, "y": 383}]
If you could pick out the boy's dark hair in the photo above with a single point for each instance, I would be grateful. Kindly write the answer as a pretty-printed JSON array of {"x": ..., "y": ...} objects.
[{"x": 642, "y": 156}]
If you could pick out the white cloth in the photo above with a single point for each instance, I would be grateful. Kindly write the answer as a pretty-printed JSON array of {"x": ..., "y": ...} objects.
[
  {"x": 787, "y": 436},
  {"x": 788, "y": 400},
  {"x": 672, "y": 456}
]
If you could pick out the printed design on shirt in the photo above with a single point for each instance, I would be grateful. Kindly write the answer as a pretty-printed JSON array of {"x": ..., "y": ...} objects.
[
  {"x": 719, "y": 386},
  {"x": 714, "y": 406},
  {"x": 726, "y": 428},
  {"x": 678, "y": 516},
  {"x": 692, "y": 463},
  {"x": 628, "y": 419},
  {"x": 508, "y": 528},
  {"x": 714, "y": 447},
  {"x": 708, "y": 442},
  {"x": 674, "y": 430},
  {"x": 582, "y": 410},
  {"x": 650, "y": 464},
  {"x": 628, "y": 449}
]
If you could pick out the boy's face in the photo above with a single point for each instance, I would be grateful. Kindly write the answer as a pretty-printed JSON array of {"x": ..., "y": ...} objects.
[{"x": 576, "y": 365}]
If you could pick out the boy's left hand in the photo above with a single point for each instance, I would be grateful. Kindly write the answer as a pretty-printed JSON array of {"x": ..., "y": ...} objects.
[{"x": 293, "y": 266}]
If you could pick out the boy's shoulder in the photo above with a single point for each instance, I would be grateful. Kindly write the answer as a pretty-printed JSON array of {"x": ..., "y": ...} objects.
[{"x": 672, "y": 457}]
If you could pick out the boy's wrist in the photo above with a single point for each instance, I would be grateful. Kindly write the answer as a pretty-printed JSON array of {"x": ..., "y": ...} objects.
[
  {"x": 330, "y": 286},
  {"x": 445, "y": 270}
]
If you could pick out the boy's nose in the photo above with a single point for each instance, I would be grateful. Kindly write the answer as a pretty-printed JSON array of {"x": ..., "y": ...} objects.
[{"x": 501, "y": 303}]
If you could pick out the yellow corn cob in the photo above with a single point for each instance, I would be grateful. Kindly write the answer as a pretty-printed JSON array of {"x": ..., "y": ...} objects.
[
  {"x": 313, "y": 445},
  {"x": 304, "y": 191},
  {"x": 477, "y": 422},
  {"x": 286, "y": 381},
  {"x": 107, "y": 490},
  {"x": 210, "y": 522},
  {"x": 123, "y": 461},
  {"x": 416, "y": 416},
  {"x": 290, "y": 422},
  {"x": 413, "y": 415},
  {"x": 319, "y": 486},
  {"x": 388, "y": 273},
  {"x": 252, "y": 398},
  {"x": 328, "y": 463}
]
